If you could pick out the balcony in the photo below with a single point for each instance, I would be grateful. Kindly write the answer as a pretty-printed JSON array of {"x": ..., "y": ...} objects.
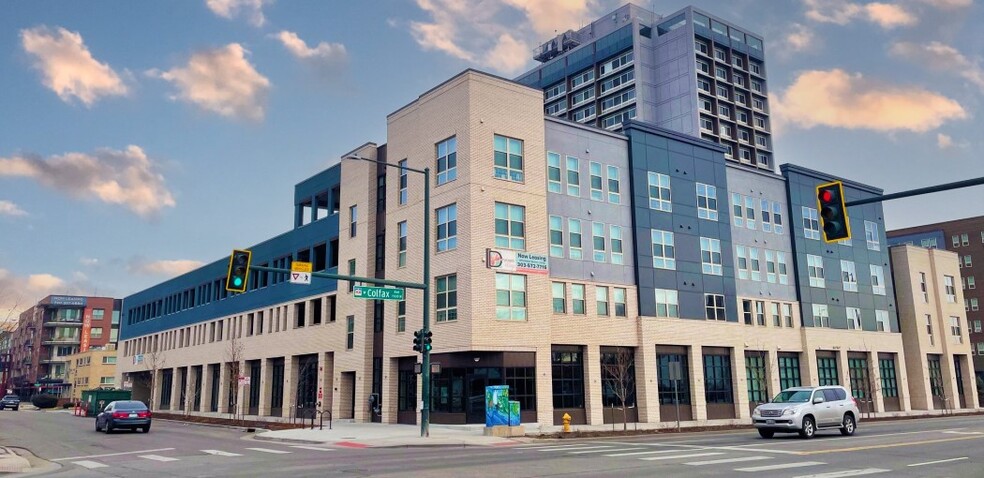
[
  {"x": 54, "y": 360},
  {"x": 55, "y": 323},
  {"x": 60, "y": 341}
]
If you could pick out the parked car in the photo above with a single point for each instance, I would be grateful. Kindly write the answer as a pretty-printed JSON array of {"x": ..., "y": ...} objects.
[
  {"x": 10, "y": 401},
  {"x": 129, "y": 414},
  {"x": 805, "y": 410}
]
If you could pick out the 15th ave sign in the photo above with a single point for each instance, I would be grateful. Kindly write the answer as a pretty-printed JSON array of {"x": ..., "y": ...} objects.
[{"x": 379, "y": 293}]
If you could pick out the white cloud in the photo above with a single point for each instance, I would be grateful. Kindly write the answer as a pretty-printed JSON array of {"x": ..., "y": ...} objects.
[
  {"x": 842, "y": 12},
  {"x": 19, "y": 293},
  {"x": 222, "y": 81},
  {"x": 89, "y": 261},
  {"x": 68, "y": 67},
  {"x": 8, "y": 208},
  {"x": 941, "y": 57},
  {"x": 800, "y": 38},
  {"x": 127, "y": 178},
  {"x": 944, "y": 141},
  {"x": 168, "y": 268},
  {"x": 949, "y": 4},
  {"x": 839, "y": 99},
  {"x": 487, "y": 32},
  {"x": 325, "y": 53},
  {"x": 252, "y": 9}
]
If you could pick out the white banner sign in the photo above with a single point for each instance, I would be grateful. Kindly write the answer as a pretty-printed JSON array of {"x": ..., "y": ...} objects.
[{"x": 515, "y": 261}]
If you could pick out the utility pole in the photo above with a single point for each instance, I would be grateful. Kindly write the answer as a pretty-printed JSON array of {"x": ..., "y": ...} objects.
[{"x": 425, "y": 373}]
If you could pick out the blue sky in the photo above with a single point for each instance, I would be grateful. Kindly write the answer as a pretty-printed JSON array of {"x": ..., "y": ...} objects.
[{"x": 139, "y": 139}]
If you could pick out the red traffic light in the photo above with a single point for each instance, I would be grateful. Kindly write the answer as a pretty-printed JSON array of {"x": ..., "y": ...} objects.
[
  {"x": 826, "y": 196},
  {"x": 833, "y": 213}
]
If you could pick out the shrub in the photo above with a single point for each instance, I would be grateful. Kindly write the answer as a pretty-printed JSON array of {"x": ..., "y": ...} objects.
[
  {"x": 68, "y": 405},
  {"x": 44, "y": 401}
]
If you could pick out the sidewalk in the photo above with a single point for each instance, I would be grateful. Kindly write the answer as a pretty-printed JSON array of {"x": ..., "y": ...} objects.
[
  {"x": 365, "y": 435},
  {"x": 11, "y": 462}
]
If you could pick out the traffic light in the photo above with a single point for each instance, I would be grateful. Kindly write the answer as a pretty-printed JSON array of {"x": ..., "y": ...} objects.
[
  {"x": 238, "y": 273},
  {"x": 833, "y": 213},
  {"x": 427, "y": 341},
  {"x": 418, "y": 340}
]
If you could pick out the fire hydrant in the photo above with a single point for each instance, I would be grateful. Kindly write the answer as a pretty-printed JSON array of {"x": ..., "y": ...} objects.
[{"x": 567, "y": 423}]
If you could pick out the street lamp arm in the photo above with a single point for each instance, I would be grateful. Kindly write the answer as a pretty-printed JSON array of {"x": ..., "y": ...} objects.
[{"x": 384, "y": 163}]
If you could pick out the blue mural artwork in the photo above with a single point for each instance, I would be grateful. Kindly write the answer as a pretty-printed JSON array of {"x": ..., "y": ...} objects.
[{"x": 499, "y": 410}]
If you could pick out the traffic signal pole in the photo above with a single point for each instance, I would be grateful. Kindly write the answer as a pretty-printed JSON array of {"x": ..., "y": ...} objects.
[
  {"x": 425, "y": 372},
  {"x": 916, "y": 192}
]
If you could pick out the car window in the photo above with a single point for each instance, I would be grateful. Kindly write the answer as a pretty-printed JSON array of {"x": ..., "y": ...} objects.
[
  {"x": 830, "y": 395},
  {"x": 841, "y": 394},
  {"x": 792, "y": 396},
  {"x": 131, "y": 406}
]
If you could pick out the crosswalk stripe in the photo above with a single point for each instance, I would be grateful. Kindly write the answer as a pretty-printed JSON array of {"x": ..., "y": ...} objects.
[
  {"x": 964, "y": 433},
  {"x": 157, "y": 458},
  {"x": 675, "y": 457},
  {"x": 781, "y": 466},
  {"x": 89, "y": 464},
  {"x": 304, "y": 447},
  {"x": 601, "y": 451},
  {"x": 579, "y": 448},
  {"x": 548, "y": 447},
  {"x": 642, "y": 452},
  {"x": 267, "y": 450},
  {"x": 846, "y": 473},
  {"x": 728, "y": 460},
  {"x": 220, "y": 453}
]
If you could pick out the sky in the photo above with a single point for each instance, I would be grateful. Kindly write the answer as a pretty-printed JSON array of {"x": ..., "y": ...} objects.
[{"x": 139, "y": 140}]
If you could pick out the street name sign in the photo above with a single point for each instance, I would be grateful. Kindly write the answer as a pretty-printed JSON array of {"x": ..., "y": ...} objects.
[{"x": 379, "y": 293}]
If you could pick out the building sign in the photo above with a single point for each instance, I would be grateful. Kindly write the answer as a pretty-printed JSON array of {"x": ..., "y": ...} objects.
[
  {"x": 515, "y": 261},
  {"x": 86, "y": 330},
  {"x": 67, "y": 300}
]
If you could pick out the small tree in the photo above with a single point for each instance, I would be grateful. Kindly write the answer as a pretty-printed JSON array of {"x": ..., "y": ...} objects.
[
  {"x": 618, "y": 376},
  {"x": 156, "y": 360},
  {"x": 234, "y": 354}
]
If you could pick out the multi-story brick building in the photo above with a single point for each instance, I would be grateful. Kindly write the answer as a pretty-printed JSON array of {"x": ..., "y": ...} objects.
[
  {"x": 53, "y": 329},
  {"x": 965, "y": 237},
  {"x": 92, "y": 369}
]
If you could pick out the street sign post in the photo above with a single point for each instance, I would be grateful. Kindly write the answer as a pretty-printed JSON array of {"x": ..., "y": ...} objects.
[{"x": 379, "y": 293}]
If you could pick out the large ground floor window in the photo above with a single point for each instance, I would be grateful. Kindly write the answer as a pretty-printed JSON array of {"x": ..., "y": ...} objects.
[{"x": 567, "y": 373}]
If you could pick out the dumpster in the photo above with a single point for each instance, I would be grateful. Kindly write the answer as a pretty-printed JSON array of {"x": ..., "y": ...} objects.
[{"x": 95, "y": 400}]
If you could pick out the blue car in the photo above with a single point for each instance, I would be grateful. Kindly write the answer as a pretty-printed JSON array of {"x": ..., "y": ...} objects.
[
  {"x": 10, "y": 401},
  {"x": 124, "y": 414}
]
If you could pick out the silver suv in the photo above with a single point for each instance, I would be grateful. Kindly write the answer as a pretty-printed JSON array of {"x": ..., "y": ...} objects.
[{"x": 805, "y": 410}]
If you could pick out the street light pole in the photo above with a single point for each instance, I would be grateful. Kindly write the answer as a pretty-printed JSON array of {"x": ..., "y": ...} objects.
[{"x": 425, "y": 372}]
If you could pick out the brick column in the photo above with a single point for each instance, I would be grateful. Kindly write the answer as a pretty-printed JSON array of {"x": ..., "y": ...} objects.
[
  {"x": 647, "y": 383},
  {"x": 698, "y": 401},
  {"x": 290, "y": 386},
  {"x": 739, "y": 379},
  {"x": 242, "y": 404},
  {"x": 874, "y": 378},
  {"x": 176, "y": 374},
  {"x": 843, "y": 371},
  {"x": 266, "y": 387},
  {"x": 224, "y": 370},
  {"x": 594, "y": 408}
]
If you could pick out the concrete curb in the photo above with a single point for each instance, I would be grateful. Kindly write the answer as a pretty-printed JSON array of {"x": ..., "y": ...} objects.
[
  {"x": 11, "y": 462},
  {"x": 369, "y": 443},
  {"x": 290, "y": 440}
]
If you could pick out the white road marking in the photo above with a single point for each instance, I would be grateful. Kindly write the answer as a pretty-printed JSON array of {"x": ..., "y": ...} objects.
[
  {"x": 939, "y": 461},
  {"x": 546, "y": 447},
  {"x": 846, "y": 473},
  {"x": 675, "y": 457},
  {"x": 601, "y": 451},
  {"x": 267, "y": 450},
  {"x": 758, "y": 450},
  {"x": 643, "y": 452},
  {"x": 111, "y": 454},
  {"x": 158, "y": 458},
  {"x": 89, "y": 464},
  {"x": 580, "y": 448},
  {"x": 966, "y": 433},
  {"x": 304, "y": 447},
  {"x": 220, "y": 453},
  {"x": 781, "y": 466},
  {"x": 728, "y": 460}
]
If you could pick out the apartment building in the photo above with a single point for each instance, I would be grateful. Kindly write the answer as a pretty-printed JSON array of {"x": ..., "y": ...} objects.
[
  {"x": 559, "y": 251},
  {"x": 965, "y": 237},
  {"x": 934, "y": 328},
  {"x": 92, "y": 369},
  {"x": 689, "y": 71},
  {"x": 53, "y": 329}
]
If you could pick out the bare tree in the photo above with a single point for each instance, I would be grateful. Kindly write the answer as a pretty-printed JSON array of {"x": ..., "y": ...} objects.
[
  {"x": 618, "y": 375},
  {"x": 234, "y": 354},
  {"x": 156, "y": 360}
]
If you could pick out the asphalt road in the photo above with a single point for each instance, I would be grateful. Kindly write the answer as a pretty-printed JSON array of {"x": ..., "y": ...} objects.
[{"x": 941, "y": 447}]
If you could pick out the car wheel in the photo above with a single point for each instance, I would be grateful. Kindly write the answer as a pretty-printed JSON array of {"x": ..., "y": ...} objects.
[
  {"x": 97, "y": 426},
  {"x": 849, "y": 426},
  {"x": 766, "y": 433},
  {"x": 16, "y": 408},
  {"x": 108, "y": 428},
  {"x": 145, "y": 429},
  {"x": 809, "y": 428}
]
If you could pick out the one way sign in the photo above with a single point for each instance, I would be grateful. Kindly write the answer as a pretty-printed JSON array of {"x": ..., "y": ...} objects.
[{"x": 300, "y": 278}]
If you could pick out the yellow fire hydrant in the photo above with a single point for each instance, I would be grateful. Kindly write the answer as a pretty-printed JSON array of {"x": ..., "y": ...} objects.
[{"x": 567, "y": 423}]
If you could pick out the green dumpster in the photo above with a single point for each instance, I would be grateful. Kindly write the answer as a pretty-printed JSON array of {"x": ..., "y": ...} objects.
[{"x": 96, "y": 400}]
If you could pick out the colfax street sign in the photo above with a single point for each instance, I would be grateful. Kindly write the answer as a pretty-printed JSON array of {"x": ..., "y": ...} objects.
[
  {"x": 379, "y": 293},
  {"x": 300, "y": 273}
]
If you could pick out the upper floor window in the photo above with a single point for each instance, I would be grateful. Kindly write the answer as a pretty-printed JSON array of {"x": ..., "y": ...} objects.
[
  {"x": 595, "y": 181},
  {"x": 614, "y": 191},
  {"x": 664, "y": 254},
  {"x": 811, "y": 224},
  {"x": 667, "y": 304},
  {"x": 877, "y": 279},
  {"x": 510, "y": 226},
  {"x": 447, "y": 298},
  {"x": 553, "y": 173},
  {"x": 598, "y": 241},
  {"x": 950, "y": 289},
  {"x": 710, "y": 256},
  {"x": 447, "y": 160},
  {"x": 353, "y": 217},
  {"x": 556, "y": 236},
  {"x": 616, "y": 64},
  {"x": 849, "y": 276},
  {"x": 659, "y": 192},
  {"x": 510, "y": 296},
  {"x": 714, "y": 307},
  {"x": 871, "y": 235},
  {"x": 401, "y": 244},
  {"x": 447, "y": 227},
  {"x": 403, "y": 181},
  {"x": 573, "y": 176},
  {"x": 574, "y": 231},
  {"x": 881, "y": 321},
  {"x": 508, "y": 158},
  {"x": 815, "y": 264},
  {"x": 707, "y": 202},
  {"x": 616, "y": 238}
]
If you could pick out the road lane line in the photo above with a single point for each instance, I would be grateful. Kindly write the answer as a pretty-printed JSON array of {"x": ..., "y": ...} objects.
[
  {"x": 89, "y": 464},
  {"x": 111, "y": 454},
  {"x": 888, "y": 445},
  {"x": 317, "y": 448},
  {"x": 852, "y": 438},
  {"x": 966, "y": 433},
  {"x": 267, "y": 450},
  {"x": 939, "y": 461},
  {"x": 546, "y": 447},
  {"x": 220, "y": 453},
  {"x": 846, "y": 473},
  {"x": 757, "y": 450},
  {"x": 781, "y": 466},
  {"x": 580, "y": 448},
  {"x": 601, "y": 451},
  {"x": 675, "y": 457},
  {"x": 642, "y": 453},
  {"x": 158, "y": 458},
  {"x": 728, "y": 460}
]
